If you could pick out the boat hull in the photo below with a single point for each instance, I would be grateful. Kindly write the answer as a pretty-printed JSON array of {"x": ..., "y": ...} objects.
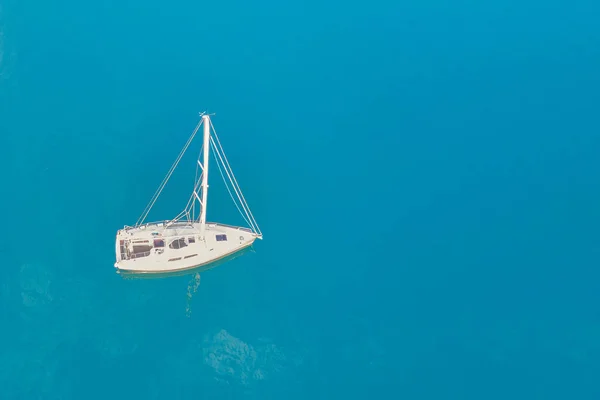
[
  {"x": 162, "y": 247},
  {"x": 191, "y": 271}
]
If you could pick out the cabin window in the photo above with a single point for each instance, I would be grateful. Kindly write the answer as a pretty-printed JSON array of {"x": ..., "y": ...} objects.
[
  {"x": 221, "y": 238},
  {"x": 178, "y": 244},
  {"x": 191, "y": 239},
  {"x": 159, "y": 243},
  {"x": 141, "y": 249}
]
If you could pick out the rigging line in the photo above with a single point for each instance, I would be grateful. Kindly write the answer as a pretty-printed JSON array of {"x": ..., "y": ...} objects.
[
  {"x": 234, "y": 182},
  {"x": 230, "y": 194},
  {"x": 167, "y": 177},
  {"x": 181, "y": 214},
  {"x": 243, "y": 199},
  {"x": 160, "y": 188},
  {"x": 248, "y": 220},
  {"x": 192, "y": 201},
  {"x": 195, "y": 196},
  {"x": 191, "y": 204},
  {"x": 218, "y": 158},
  {"x": 234, "y": 188},
  {"x": 196, "y": 181},
  {"x": 178, "y": 217}
]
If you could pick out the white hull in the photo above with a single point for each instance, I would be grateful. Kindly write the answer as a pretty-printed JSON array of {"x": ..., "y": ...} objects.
[{"x": 170, "y": 247}]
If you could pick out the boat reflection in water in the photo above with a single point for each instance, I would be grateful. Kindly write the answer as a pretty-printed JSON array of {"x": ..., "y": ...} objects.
[{"x": 194, "y": 282}]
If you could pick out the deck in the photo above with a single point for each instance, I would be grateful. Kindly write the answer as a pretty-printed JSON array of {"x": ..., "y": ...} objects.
[{"x": 167, "y": 247}]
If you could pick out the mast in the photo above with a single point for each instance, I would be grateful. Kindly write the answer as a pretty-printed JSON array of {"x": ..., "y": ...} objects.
[{"x": 206, "y": 151}]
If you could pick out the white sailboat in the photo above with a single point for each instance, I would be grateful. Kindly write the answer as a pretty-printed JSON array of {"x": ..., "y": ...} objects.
[{"x": 187, "y": 241}]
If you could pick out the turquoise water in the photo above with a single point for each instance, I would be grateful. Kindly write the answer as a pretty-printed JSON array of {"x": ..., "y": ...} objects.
[{"x": 426, "y": 176}]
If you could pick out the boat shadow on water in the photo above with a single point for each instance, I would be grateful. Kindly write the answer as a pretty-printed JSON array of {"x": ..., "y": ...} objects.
[{"x": 191, "y": 271}]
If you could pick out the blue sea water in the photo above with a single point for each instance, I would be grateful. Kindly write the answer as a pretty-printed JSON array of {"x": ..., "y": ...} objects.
[{"x": 426, "y": 175}]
